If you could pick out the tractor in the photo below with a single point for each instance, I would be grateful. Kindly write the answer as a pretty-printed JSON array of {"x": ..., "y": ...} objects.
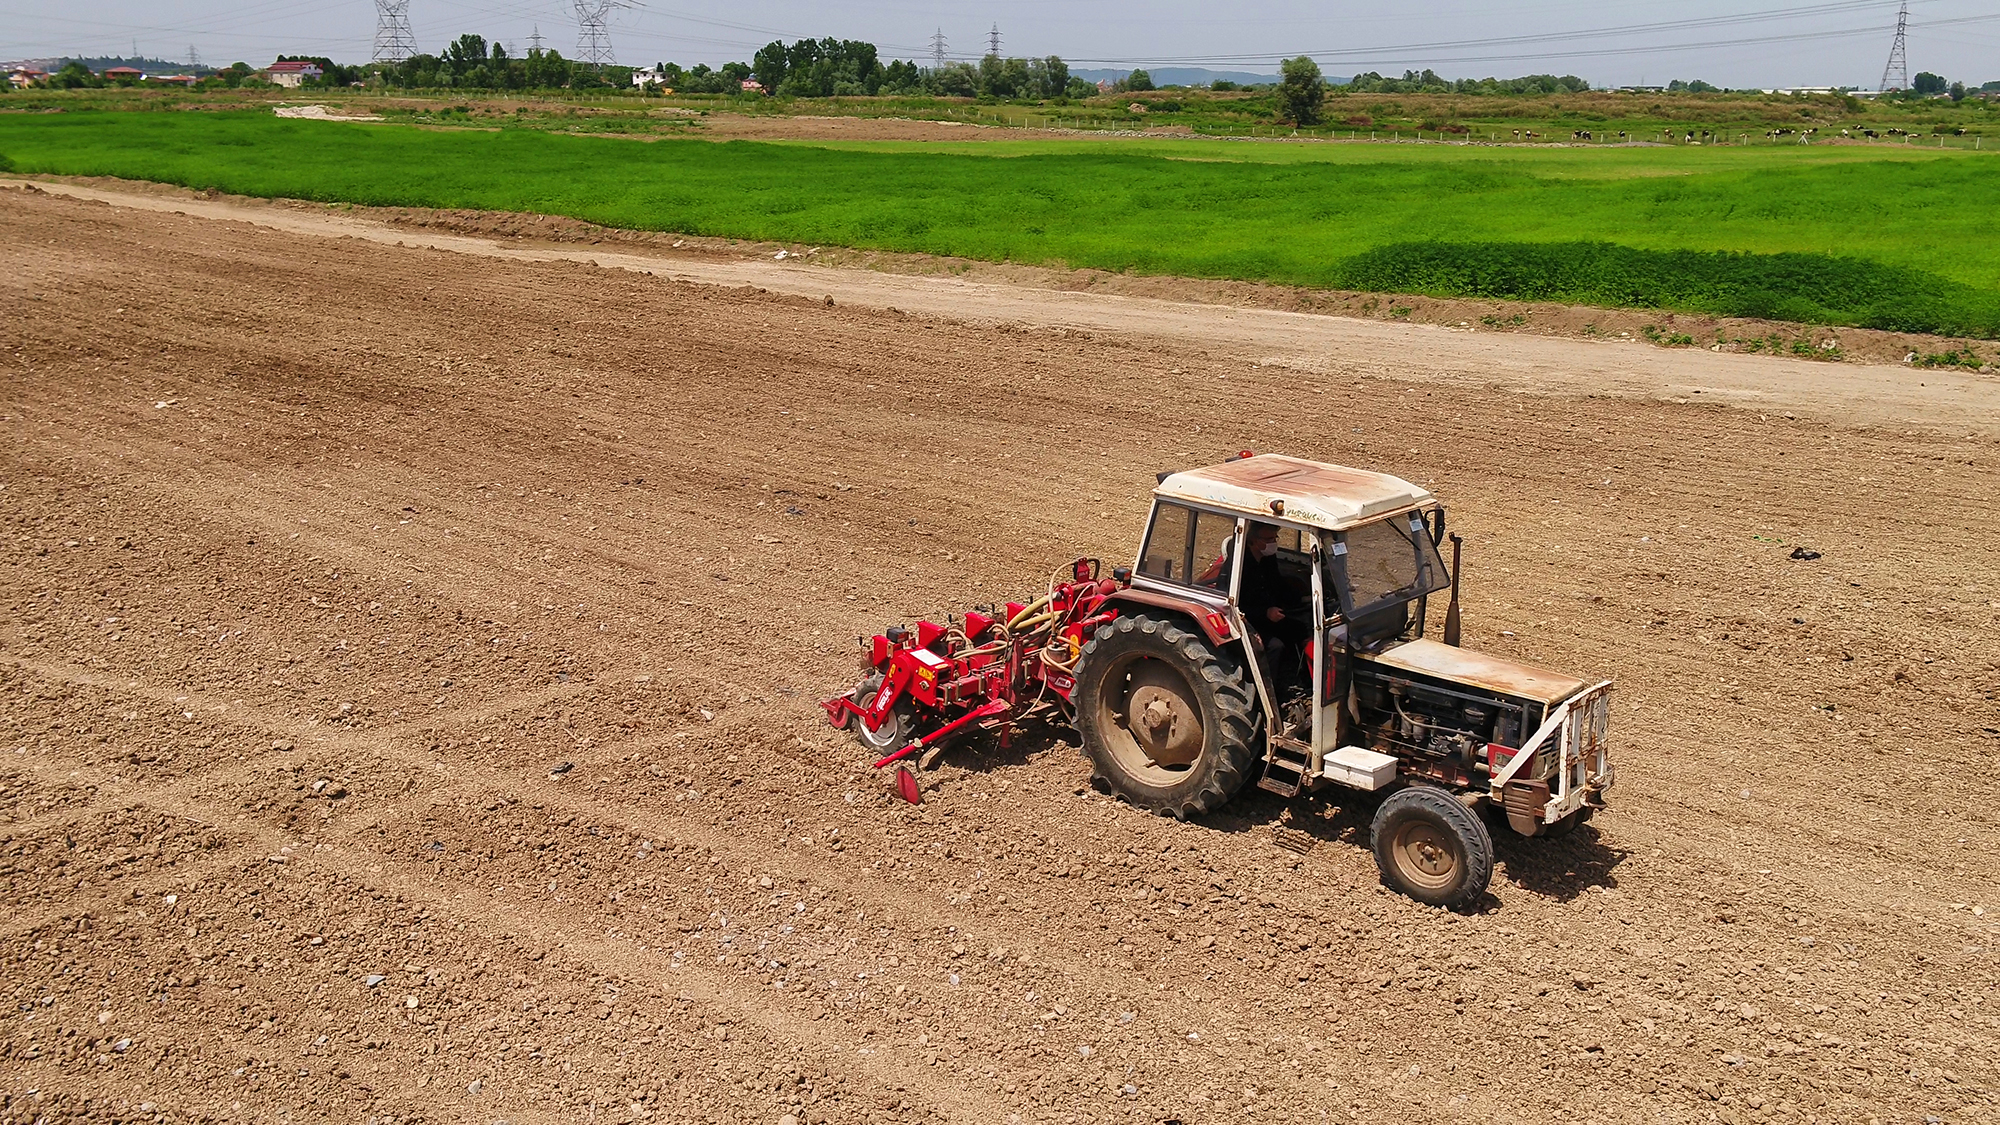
[{"x": 1272, "y": 627}]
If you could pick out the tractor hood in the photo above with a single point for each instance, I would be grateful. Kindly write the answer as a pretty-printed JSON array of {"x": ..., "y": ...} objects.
[{"x": 1494, "y": 673}]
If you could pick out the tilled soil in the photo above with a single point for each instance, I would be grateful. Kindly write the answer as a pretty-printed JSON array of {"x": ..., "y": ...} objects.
[{"x": 413, "y": 657}]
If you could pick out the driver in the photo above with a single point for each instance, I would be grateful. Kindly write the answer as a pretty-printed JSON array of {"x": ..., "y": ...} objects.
[{"x": 1264, "y": 595}]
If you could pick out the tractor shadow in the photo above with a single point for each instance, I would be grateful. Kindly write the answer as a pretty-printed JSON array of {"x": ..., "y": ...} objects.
[
  {"x": 980, "y": 751},
  {"x": 1562, "y": 869}
]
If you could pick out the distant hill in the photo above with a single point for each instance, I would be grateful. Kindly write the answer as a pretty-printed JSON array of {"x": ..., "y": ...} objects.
[{"x": 1188, "y": 76}]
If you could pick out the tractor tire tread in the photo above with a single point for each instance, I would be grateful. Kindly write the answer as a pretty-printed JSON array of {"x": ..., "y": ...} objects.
[
  {"x": 1234, "y": 706},
  {"x": 1470, "y": 830}
]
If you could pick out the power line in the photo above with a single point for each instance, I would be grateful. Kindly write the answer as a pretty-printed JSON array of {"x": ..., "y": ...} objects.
[
  {"x": 938, "y": 50},
  {"x": 1898, "y": 70},
  {"x": 993, "y": 40},
  {"x": 1835, "y": 7}
]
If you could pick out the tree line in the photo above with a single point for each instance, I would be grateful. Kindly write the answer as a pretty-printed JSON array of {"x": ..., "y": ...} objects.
[
  {"x": 471, "y": 63},
  {"x": 831, "y": 68}
]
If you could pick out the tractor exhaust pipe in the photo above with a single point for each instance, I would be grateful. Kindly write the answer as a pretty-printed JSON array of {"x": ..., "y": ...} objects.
[{"x": 1452, "y": 627}]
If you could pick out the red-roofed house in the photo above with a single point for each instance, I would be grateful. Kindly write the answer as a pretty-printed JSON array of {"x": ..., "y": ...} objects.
[
  {"x": 124, "y": 74},
  {"x": 292, "y": 73},
  {"x": 23, "y": 77}
]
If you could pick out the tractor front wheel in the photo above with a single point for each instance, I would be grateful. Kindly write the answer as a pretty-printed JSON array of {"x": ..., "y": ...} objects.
[
  {"x": 1431, "y": 848},
  {"x": 1166, "y": 720}
]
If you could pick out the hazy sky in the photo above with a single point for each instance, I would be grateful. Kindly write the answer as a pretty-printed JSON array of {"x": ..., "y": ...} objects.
[{"x": 1609, "y": 42}]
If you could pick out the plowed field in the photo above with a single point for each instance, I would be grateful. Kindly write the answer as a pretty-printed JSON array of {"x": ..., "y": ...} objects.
[{"x": 410, "y": 663}]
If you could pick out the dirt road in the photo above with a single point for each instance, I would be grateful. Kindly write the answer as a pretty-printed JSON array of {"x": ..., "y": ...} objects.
[{"x": 413, "y": 654}]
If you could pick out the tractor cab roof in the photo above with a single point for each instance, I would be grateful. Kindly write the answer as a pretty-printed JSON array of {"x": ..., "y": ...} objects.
[{"x": 1295, "y": 490}]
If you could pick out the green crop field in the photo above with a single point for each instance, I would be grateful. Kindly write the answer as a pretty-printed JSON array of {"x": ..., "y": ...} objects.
[{"x": 1880, "y": 236}]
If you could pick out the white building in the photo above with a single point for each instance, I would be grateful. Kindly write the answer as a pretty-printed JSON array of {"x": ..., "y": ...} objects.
[{"x": 292, "y": 73}]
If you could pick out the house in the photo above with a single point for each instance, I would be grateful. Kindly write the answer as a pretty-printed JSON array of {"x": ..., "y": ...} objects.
[
  {"x": 752, "y": 86},
  {"x": 173, "y": 79},
  {"x": 646, "y": 74},
  {"x": 292, "y": 73},
  {"x": 124, "y": 74},
  {"x": 22, "y": 77}
]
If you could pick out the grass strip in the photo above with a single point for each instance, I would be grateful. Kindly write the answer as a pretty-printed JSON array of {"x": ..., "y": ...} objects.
[
  {"x": 1808, "y": 288},
  {"x": 1888, "y": 243}
]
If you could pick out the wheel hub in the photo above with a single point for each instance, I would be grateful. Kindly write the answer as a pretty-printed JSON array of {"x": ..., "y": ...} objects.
[
  {"x": 1164, "y": 723},
  {"x": 1427, "y": 857}
]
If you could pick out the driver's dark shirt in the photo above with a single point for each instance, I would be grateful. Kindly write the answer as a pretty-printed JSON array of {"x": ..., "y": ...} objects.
[{"x": 1263, "y": 588}]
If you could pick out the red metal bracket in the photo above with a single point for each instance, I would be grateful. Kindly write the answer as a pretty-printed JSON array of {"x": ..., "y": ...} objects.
[{"x": 983, "y": 711}]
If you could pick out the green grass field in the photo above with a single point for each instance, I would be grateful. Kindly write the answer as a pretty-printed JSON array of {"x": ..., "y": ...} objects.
[{"x": 1883, "y": 237}]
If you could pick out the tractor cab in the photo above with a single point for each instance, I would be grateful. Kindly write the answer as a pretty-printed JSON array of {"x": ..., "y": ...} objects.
[{"x": 1354, "y": 553}]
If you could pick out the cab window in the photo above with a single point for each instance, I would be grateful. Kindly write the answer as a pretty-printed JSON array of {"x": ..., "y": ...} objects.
[
  {"x": 1213, "y": 539},
  {"x": 1166, "y": 553}
]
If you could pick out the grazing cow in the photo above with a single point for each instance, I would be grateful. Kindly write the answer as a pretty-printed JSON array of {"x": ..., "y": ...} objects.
[
  {"x": 1621, "y": 135},
  {"x": 1870, "y": 134},
  {"x": 1580, "y": 135},
  {"x": 1531, "y": 134}
]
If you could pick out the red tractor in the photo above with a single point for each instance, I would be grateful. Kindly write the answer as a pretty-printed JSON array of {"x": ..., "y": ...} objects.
[{"x": 1300, "y": 660}]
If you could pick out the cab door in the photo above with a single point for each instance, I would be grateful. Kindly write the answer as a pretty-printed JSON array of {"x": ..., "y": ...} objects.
[{"x": 1329, "y": 646}]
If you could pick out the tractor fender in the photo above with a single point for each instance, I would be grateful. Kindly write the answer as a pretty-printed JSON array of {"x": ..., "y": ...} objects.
[{"x": 1211, "y": 621}]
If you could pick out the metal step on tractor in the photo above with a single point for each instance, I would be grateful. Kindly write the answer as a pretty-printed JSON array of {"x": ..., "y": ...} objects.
[{"x": 1273, "y": 627}]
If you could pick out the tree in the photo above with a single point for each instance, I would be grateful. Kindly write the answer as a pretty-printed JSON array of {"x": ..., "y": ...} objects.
[
  {"x": 1958, "y": 91},
  {"x": 770, "y": 64},
  {"x": 901, "y": 77},
  {"x": 1138, "y": 80},
  {"x": 74, "y": 75},
  {"x": 956, "y": 80},
  {"x": 1927, "y": 84},
  {"x": 1048, "y": 78},
  {"x": 1301, "y": 91},
  {"x": 465, "y": 52}
]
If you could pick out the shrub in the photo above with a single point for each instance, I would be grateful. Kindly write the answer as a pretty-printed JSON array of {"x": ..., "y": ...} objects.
[{"x": 1809, "y": 288}]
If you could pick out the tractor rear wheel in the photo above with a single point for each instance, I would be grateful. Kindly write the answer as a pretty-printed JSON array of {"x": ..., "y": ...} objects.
[
  {"x": 1166, "y": 721},
  {"x": 1431, "y": 848}
]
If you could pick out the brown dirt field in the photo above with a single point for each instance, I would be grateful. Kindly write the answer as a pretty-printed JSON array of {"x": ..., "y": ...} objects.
[
  {"x": 323, "y": 554},
  {"x": 1867, "y": 379}
]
